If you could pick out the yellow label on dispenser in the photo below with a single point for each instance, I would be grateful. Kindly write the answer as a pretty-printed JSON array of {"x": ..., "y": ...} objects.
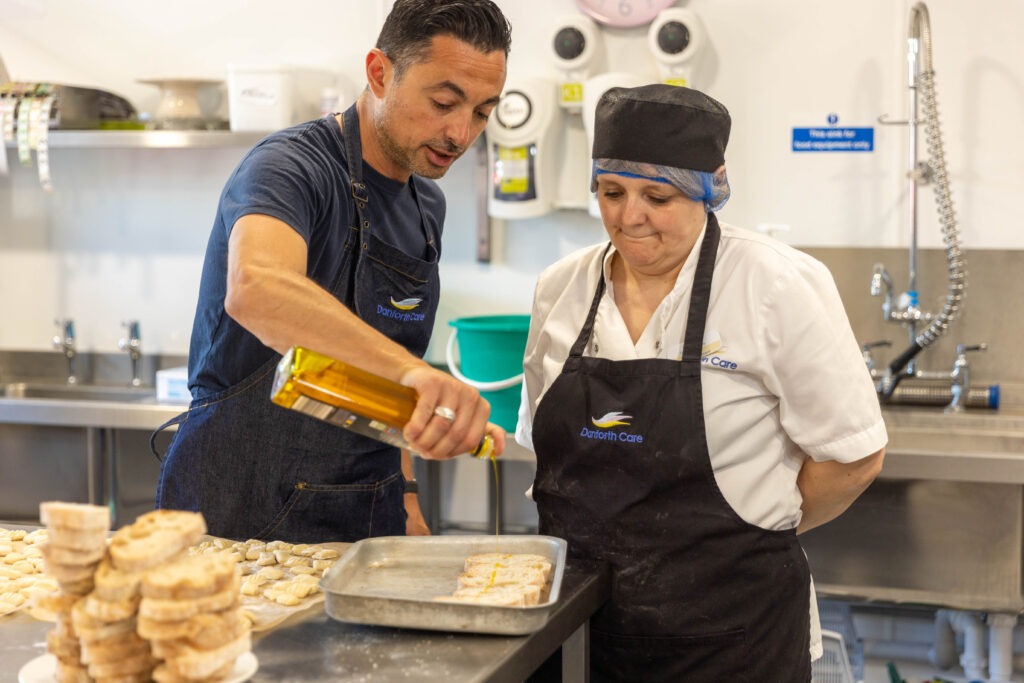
[
  {"x": 515, "y": 169},
  {"x": 571, "y": 93}
]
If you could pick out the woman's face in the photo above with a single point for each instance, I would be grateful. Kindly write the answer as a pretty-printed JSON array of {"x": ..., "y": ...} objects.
[{"x": 652, "y": 225}]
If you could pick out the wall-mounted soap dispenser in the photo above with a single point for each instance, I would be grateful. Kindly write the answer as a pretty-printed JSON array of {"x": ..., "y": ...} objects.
[
  {"x": 676, "y": 38},
  {"x": 576, "y": 50},
  {"x": 521, "y": 139}
]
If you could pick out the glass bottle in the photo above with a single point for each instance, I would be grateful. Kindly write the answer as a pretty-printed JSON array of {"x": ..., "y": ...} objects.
[{"x": 349, "y": 397}]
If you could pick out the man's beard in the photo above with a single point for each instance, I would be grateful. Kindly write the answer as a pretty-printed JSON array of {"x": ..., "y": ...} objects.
[{"x": 410, "y": 159}]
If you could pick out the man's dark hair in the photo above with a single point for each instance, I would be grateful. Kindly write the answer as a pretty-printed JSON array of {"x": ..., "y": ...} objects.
[{"x": 412, "y": 24}]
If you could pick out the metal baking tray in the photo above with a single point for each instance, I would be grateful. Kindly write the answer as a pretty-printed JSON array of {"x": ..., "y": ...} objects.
[{"x": 393, "y": 580}]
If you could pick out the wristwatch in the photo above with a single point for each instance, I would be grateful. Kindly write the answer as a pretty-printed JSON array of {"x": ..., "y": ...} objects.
[{"x": 412, "y": 486}]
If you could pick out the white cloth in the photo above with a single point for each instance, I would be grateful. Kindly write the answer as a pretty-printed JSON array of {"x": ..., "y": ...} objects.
[{"x": 782, "y": 375}]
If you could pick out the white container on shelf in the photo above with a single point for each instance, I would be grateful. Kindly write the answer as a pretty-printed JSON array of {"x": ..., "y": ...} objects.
[
  {"x": 260, "y": 98},
  {"x": 266, "y": 98}
]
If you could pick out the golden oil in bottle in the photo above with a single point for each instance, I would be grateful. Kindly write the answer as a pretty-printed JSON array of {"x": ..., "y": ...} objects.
[{"x": 349, "y": 397}]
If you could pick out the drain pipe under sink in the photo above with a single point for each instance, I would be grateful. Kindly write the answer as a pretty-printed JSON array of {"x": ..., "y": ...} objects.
[
  {"x": 1000, "y": 647},
  {"x": 973, "y": 659}
]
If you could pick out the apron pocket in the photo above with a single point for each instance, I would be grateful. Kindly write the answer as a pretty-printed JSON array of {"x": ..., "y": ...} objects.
[
  {"x": 705, "y": 658},
  {"x": 316, "y": 513}
]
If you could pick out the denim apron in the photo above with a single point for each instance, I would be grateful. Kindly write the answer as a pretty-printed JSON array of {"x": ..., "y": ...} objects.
[
  {"x": 698, "y": 594},
  {"x": 257, "y": 470}
]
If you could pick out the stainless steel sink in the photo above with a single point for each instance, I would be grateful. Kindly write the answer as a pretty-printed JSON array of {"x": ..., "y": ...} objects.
[{"x": 75, "y": 392}]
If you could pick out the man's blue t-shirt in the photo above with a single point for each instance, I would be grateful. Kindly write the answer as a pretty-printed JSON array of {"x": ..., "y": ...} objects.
[{"x": 299, "y": 175}]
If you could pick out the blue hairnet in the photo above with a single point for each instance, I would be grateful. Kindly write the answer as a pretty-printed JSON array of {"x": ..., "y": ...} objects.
[{"x": 699, "y": 186}]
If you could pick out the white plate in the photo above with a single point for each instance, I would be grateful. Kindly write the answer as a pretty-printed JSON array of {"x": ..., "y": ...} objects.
[{"x": 43, "y": 668}]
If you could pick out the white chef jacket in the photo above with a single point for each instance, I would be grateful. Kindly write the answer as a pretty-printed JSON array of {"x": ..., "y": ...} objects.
[{"x": 782, "y": 375}]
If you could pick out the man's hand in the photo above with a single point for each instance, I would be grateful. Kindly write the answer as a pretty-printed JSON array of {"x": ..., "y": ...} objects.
[{"x": 450, "y": 416}]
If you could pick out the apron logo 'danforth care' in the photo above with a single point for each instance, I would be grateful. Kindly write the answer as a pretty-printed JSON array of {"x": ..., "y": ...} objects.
[
  {"x": 604, "y": 425},
  {"x": 404, "y": 312},
  {"x": 406, "y": 304},
  {"x": 612, "y": 420}
]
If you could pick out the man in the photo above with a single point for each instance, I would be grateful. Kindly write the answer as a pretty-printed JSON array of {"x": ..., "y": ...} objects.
[{"x": 327, "y": 236}]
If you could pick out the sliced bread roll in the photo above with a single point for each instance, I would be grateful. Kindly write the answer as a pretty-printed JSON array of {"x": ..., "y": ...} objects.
[
  {"x": 89, "y": 627},
  {"x": 112, "y": 649},
  {"x": 211, "y": 636},
  {"x": 193, "y": 576},
  {"x": 164, "y": 609},
  {"x": 113, "y": 584},
  {"x": 162, "y": 674},
  {"x": 199, "y": 664},
  {"x": 502, "y": 596},
  {"x": 143, "y": 663},
  {"x": 199, "y": 628},
  {"x": 55, "y": 554},
  {"x": 74, "y": 515},
  {"x": 77, "y": 539},
  {"x": 484, "y": 575},
  {"x": 154, "y": 538},
  {"x": 509, "y": 560},
  {"x": 110, "y": 610}
]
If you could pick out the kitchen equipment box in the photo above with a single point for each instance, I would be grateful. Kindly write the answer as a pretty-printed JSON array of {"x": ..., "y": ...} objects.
[
  {"x": 265, "y": 98},
  {"x": 394, "y": 580}
]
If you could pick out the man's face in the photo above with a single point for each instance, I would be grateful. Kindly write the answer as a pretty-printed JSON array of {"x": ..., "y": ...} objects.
[{"x": 431, "y": 114}]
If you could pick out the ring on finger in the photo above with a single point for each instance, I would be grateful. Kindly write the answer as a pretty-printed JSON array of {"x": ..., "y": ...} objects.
[{"x": 445, "y": 413}]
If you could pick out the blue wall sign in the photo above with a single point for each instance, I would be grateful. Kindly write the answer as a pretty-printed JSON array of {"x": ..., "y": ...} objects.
[{"x": 833, "y": 139}]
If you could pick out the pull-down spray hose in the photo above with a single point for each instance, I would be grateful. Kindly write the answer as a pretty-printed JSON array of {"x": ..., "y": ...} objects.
[{"x": 924, "y": 81}]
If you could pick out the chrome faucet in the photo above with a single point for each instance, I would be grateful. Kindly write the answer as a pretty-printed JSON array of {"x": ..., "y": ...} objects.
[
  {"x": 961, "y": 376},
  {"x": 869, "y": 359},
  {"x": 132, "y": 344},
  {"x": 65, "y": 341}
]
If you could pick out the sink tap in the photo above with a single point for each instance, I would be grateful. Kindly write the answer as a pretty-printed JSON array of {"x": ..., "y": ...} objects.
[
  {"x": 961, "y": 376},
  {"x": 65, "y": 341},
  {"x": 869, "y": 359},
  {"x": 132, "y": 344}
]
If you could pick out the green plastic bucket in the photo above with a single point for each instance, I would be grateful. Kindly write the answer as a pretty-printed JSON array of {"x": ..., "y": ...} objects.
[{"x": 490, "y": 351}]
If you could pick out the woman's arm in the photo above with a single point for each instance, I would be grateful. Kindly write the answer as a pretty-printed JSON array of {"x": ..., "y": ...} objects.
[{"x": 829, "y": 487}]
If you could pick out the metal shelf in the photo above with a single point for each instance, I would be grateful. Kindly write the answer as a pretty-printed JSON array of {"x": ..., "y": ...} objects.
[{"x": 153, "y": 139}]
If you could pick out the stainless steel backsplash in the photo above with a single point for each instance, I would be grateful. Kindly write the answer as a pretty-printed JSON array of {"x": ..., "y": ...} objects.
[{"x": 991, "y": 311}]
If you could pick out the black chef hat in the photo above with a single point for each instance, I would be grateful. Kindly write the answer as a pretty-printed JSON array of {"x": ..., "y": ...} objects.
[{"x": 661, "y": 124}]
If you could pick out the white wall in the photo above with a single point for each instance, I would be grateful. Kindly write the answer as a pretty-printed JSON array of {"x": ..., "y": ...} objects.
[{"x": 123, "y": 234}]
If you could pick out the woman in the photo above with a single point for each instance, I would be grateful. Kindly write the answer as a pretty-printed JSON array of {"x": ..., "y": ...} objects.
[{"x": 695, "y": 398}]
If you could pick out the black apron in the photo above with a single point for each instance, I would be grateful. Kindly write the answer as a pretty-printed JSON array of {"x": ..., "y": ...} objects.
[
  {"x": 698, "y": 594},
  {"x": 256, "y": 470}
]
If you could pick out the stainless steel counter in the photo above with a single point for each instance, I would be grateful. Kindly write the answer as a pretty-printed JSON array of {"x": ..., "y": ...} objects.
[
  {"x": 314, "y": 647},
  {"x": 944, "y": 523}
]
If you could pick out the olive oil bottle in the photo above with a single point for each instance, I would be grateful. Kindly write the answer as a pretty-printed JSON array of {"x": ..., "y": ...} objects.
[{"x": 348, "y": 397}]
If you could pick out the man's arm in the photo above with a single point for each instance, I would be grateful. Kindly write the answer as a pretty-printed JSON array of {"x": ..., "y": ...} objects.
[
  {"x": 270, "y": 295},
  {"x": 830, "y": 487},
  {"x": 415, "y": 525}
]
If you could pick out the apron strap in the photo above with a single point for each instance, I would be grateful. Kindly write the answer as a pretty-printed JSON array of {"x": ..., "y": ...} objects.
[
  {"x": 174, "y": 421},
  {"x": 588, "y": 326},
  {"x": 701, "y": 294}
]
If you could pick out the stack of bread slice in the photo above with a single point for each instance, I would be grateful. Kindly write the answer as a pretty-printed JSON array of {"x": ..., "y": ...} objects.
[
  {"x": 191, "y": 613},
  {"x": 77, "y": 541},
  {"x": 106, "y": 619},
  {"x": 504, "y": 579}
]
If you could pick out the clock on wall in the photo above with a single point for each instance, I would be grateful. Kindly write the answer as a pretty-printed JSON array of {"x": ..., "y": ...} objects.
[{"x": 623, "y": 13}]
